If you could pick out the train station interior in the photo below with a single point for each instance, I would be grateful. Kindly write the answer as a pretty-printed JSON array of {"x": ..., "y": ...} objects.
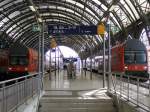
[{"x": 74, "y": 55}]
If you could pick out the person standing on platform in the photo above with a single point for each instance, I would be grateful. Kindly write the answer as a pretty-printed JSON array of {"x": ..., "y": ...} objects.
[{"x": 71, "y": 70}]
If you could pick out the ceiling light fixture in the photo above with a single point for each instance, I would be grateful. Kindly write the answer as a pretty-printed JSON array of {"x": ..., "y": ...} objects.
[
  {"x": 40, "y": 20},
  {"x": 32, "y": 8}
]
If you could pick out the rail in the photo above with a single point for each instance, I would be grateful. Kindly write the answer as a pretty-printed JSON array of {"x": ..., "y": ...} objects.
[
  {"x": 132, "y": 89},
  {"x": 17, "y": 91}
]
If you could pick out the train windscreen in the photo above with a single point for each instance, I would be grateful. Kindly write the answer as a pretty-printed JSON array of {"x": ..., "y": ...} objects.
[
  {"x": 135, "y": 57},
  {"x": 18, "y": 60}
]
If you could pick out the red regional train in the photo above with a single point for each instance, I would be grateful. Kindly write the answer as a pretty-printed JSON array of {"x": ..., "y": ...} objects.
[
  {"x": 130, "y": 58},
  {"x": 17, "y": 61}
]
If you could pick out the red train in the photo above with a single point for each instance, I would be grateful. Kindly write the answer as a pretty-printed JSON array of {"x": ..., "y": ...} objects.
[
  {"x": 17, "y": 61},
  {"x": 3, "y": 63},
  {"x": 130, "y": 58}
]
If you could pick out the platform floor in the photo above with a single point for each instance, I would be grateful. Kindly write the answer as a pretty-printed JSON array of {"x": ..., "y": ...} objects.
[
  {"x": 61, "y": 84},
  {"x": 61, "y": 81},
  {"x": 78, "y": 94}
]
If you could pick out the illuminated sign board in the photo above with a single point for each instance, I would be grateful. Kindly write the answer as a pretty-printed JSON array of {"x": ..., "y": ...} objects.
[{"x": 72, "y": 30}]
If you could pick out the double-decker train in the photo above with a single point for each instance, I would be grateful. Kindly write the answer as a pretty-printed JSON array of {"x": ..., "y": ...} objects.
[
  {"x": 16, "y": 61},
  {"x": 130, "y": 58}
]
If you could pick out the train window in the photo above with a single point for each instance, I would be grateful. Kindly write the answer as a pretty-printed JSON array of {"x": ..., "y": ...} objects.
[
  {"x": 18, "y": 60},
  {"x": 128, "y": 57},
  {"x": 23, "y": 60},
  {"x": 138, "y": 57},
  {"x": 13, "y": 60}
]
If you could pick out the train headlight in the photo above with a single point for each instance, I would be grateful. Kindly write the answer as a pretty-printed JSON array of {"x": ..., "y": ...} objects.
[
  {"x": 26, "y": 69},
  {"x": 125, "y": 67},
  {"x": 145, "y": 67},
  {"x": 9, "y": 68}
]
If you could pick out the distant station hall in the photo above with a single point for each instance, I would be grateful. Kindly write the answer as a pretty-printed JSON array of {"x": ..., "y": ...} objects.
[{"x": 74, "y": 55}]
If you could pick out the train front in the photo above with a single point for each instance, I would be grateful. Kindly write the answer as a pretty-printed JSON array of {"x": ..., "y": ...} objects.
[
  {"x": 18, "y": 61},
  {"x": 135, "y": 59}
]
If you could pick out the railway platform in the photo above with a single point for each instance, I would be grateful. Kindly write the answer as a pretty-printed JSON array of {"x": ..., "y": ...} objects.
[
  {"x": 65, "y": 92},
  {"x": 83, "y": 93},
  {"x": 105, "y": 36}
]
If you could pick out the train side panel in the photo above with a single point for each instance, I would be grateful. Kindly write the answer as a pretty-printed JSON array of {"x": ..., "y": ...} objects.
[
  {"x": 33, "y": 61},
  {"x": 148, "y": 60},
  {"x": 3, "y": 62},
  {"x": 117, "y": 64}
]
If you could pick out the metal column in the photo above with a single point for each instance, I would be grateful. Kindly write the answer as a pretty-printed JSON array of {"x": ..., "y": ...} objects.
[
  {"x": 42, "y": 50},
  {"x": 85, "y": 68},
  {"x": 39, "y": 55},
  {"x": 91, "y": 64},
  {"x": 82, "y": 67},
  {"x": 58, "y": 60},
  {"x": 104, "y": 67},
  {"x": 90, "y": 67},
  {"x": 55, "y": 61},
  {"x": 109, "y": 58},
  {"x": 50, "y": 67},
  {"x": 42, "y": 53}
]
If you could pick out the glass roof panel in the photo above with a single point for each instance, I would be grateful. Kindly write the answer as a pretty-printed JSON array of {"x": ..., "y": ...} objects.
[
  {"x": 17, "y": 34},
  {"x": 69, "y": 10},
  {"x": 91, "y": 12},
  {"x": 95, "y": 7},
  {"x": 61, "y": 8},
  {"x": 12, "y": 15},
  {"x": 80, "y": 5},
  {"x": 46, "y": 14},
  {"x": 5, "y": 19},
  {"x": 115, "y": 28},
  {"x": 4, "y": 2},
  {"x": 71, "y": 1},
  {"x": 99, "y": 38},
  {"x": 52, "y": 6},
  {"x": 17, "y": 1},
  {"x": 128, "y": 9},
  {"x": 9, "y": 30},
  {"x": 104, "y": 7},
  {"x": 78, "y": 14},
  {"x": 109, "y": 1},
  {"x": 144, "y": 5},
  {"x": 144, "y": 38},
  {"x": 7, "y": 5},
  {"x": 97, "y": 2},
  {"x": 122, "y": 16},
  {"x": 133, "y": 9},
  {"x": 1, "y": 23}
]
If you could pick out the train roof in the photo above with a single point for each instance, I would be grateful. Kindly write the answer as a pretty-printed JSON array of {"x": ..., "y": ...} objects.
[
  {"x": 134, "y": 44},
  {"x": 17, "y": 48}
]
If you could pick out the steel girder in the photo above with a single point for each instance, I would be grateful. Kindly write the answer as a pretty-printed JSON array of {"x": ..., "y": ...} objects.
[{"x": 19, "y": 26}]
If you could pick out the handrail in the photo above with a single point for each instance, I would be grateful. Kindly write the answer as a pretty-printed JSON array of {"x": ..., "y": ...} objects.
[
  {"x": 14, "y": 79},
  {"x": 122, "y": 86},
  {"x": 24, "y": 88}
]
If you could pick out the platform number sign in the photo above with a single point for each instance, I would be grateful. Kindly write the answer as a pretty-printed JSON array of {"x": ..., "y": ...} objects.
[{"x": 36, "y": 28}]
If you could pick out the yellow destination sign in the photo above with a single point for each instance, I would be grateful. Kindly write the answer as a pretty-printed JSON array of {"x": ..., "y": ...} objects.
[{"x": 101, "y": 29}]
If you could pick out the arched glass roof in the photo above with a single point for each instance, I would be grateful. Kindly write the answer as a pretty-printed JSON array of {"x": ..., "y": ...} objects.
[{"x": 17, "y": 19}]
